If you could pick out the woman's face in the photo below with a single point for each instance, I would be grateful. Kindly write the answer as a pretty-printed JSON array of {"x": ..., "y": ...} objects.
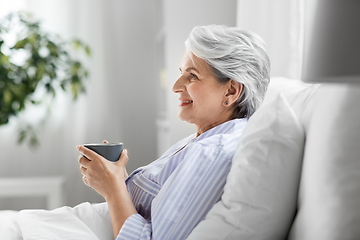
[{"x": 202, "y": 96}]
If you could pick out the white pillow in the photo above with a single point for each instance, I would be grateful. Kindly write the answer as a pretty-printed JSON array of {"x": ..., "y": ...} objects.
[
  {"x": 329, "y": 196},
  {"x": 297, "y": 93},
  {"x": 260, "y": 195}
]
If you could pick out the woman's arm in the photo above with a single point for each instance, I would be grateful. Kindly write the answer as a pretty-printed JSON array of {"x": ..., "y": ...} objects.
[
  {"x": 108, "y": 179},
  {"x": 120, "y": 207},
  {"x": 182, "y": 202},
  {"x": 185, "y": 198}
]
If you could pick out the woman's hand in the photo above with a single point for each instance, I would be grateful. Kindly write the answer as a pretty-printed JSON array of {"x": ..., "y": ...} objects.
[
  {"x": 125, "y": 172},
  {"x": 102, "y": 175},
  {"x": 108, "y": 179}
]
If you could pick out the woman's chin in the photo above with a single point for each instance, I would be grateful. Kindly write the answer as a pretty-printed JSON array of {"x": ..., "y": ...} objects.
[{"x": 185, "y": 118}]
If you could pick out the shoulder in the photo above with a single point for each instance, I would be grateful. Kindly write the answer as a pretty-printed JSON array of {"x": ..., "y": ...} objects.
[
  {"x": 227, "y": 135},
  {"x": 222, "y": 142},
  {"x": 178, "y": 145}
]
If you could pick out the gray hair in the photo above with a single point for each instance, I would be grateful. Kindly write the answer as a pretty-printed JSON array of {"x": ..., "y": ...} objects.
[{"x": 235, "y": 54}]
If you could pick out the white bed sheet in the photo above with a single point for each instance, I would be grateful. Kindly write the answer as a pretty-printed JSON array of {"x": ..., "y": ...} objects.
[
  {"x": 8, "y": 226},
  {"x": 84, "y": 221}
]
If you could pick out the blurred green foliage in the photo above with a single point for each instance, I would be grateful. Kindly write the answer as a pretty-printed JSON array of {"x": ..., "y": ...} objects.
[{"x": 47, "y": 64}]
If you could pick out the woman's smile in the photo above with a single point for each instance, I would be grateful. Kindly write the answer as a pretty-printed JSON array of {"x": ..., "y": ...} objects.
[{"x": 184, "y": 102}]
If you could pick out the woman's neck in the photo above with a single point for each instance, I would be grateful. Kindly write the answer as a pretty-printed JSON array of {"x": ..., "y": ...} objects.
[{"x": 202, "y": 129}]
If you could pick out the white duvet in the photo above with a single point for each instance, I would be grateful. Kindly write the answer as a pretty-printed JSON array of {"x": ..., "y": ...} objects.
[{"x": 85, "y": 221}]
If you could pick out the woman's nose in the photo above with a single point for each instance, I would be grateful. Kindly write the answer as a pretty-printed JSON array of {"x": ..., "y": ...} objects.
[{"x": 178, "y": 85}]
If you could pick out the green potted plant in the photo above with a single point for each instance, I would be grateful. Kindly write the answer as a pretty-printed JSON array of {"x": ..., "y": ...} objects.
[{"x": 46, "y": 64}]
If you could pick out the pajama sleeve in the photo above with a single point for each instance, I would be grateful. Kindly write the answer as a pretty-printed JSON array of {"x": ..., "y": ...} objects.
[{"x": 185, "y": 198}]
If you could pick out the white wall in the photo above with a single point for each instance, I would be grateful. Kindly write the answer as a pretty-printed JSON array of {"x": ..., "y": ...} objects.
[{"x": 280, "y": 24}]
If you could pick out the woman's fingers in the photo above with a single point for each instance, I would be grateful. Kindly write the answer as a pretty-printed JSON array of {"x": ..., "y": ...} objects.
[
  {"x": 83, "y": 161},
  {"x": 85, "y": 180},
  {"x": 86, "y": 152},
  {"x": 83, "y": 170},
  {"x": 99, "y": 173},
  {"x": 123, "y": 159}
]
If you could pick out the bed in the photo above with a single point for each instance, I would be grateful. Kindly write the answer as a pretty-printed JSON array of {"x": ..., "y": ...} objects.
[
  {"x": 84, "y": 221},
  {"x": 305, "y": 188}
]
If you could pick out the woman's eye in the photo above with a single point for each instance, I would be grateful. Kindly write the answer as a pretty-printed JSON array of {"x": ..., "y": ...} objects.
[{"x": 193, "y": 76}]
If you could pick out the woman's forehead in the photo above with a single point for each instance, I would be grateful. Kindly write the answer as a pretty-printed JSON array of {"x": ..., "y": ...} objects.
[{"x": 192, "y": 62}]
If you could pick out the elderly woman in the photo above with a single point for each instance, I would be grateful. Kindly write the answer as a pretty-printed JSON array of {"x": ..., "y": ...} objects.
[{"x": 224, "y": 77}]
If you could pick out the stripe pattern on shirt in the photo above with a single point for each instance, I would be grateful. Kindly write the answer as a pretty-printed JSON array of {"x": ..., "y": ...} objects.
[{"x": 174, "y": 193}]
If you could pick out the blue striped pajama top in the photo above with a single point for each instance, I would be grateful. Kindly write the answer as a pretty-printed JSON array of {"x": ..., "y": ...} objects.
[{"x": 175, "y": 192}]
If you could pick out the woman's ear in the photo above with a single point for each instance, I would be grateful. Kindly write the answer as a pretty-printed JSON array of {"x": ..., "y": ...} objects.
[{"x": 233, "y": 92}]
